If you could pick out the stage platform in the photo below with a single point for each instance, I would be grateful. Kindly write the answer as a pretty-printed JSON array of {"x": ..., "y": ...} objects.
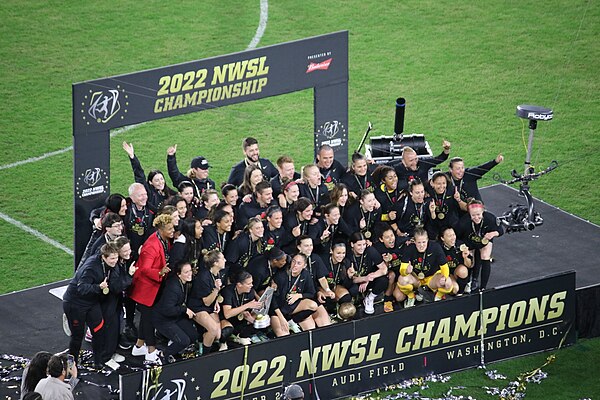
[{"x": 32, "y": 318}]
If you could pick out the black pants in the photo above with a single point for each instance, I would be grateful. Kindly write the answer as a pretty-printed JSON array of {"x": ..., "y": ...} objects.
[
  {"x": 181, "y": 332},
  {"x": 146, "y": 329},
  {"x": 378, "y": 285},
  {"x": 111, "y": 313},
  {"x": 78, "y": 317}
]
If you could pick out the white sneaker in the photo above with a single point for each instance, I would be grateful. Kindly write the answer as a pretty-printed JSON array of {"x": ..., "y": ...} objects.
[
  {"x": 153, "y": 358},
  {"x": 436, "y": 298},
  {"x": 244, "y": 341},
  {"x": 368, "y": 303},
  {"x": 118, "y": 357},
  {"x": 139, "y": 351},
  {"x": 409, "y": 302},
  {"x": 88, "y": 335},
  {"x": 66, "y": 327},
  {"x": 223, "y": 346},
  {"x": 294, "y": 327},
  {"x": 112, "y": 364},
  {"x": 467, "y": 288}
]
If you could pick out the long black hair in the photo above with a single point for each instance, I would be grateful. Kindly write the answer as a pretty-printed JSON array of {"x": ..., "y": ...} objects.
[{"x": 36, "y": 370}]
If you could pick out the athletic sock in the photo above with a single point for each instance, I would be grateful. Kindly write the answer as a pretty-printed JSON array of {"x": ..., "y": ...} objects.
[
  {"x": 486, "y": 269},
  {"x": 408, "y": 290}
]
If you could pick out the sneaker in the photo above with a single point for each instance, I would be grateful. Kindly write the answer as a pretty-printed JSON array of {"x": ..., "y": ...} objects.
[
  {"x": 418, "y": 297},
  {"x": 437, "y": 298},
  {"x": 294, "y": 327},
  {"x": 118, "y": 357},
  {"x": 153, "y": 358},
  {"x": 244, "y": 341},
  {"x": 88, "y": 335},
  {"x": 130, "y": 332},
  {"x": 368, "y": 303},
  {"x": 255, "y": 339},
  {"x": 409, "y": 302},
  {"x": 388, "y": 306},
  {"x": 66, "y": 327},
  {"x": 112, "y": 364},
  {"x": 139, "y": 351},
  {"x": 467, "y": 288},
  {"x": 125, "y": 343},
  {"x": 223, "y": 346}
]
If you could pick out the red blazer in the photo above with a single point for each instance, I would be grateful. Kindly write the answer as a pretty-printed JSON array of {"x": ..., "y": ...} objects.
[{"x": 146, "y": 280}]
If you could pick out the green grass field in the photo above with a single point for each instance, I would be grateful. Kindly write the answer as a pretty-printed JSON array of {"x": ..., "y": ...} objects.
[{"x": 462, "y": 66}]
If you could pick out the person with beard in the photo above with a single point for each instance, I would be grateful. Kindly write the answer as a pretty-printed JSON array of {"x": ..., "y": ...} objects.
[
  {"x": 295, "y": 295},
  {"x": 459, "y": 260},
  {"x": 464, "y": 180},
  {"x": 390, "y": 247},
  {"x": 312, "y": 188},
  {"x": 273, "y": 227},
  {"x": 155, "y": 185},
  {"x": 447, "y": 210},
  {"x": 252, "y": 156},
  {"x": 477, "y": 230},
  {"x": 261, "y": 200},
  {"x": 415, "y": 211},
  {"x": 362, "y": 215},
  {"x": 370, "y": 271},
  {"x": 197, "y": 174},
  {"x": 423, "y": 264},
  {"x": 411, "y": 167},
  {"x": 328, "y": 229},
  {"x": 358, "y": 178},
  {"x": 331, "y": 169},
  {"x": 287, "y": 172}
]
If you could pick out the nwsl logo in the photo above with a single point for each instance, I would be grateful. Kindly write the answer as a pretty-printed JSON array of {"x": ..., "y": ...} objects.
[
  {"x": 92, "y": 176},
  {"x": 104, "y": 106},
  {"x": 323, "y": 65}
]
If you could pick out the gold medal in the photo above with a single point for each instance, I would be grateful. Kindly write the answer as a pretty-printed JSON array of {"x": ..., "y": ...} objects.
[
  {"x": 485, "y": 241},
  {"x": 441, "y": 215},
  {"x": 220, "y": 299},
  {"x": 241, "y": 317},
  {"x": 368, "y": 234},
  {"x": 105, "y": 290},
  {"x": 463, "y": 247},
  {"x": 421, "y": 275}
]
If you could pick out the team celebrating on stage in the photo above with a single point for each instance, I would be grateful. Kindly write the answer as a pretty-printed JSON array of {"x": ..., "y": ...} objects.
[{"x": 274, "y": 251}]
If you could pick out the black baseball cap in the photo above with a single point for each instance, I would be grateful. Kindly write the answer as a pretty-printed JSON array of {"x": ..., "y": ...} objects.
[{"x": 200, "y": 162}]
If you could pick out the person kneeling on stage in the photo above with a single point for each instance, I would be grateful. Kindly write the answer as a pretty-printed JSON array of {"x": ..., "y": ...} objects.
[
  {"x": 239, "y": 299},
  {"x": 459, "y": 260},
  {"x": 423, "y": 263},
  {"x": 171, "y": 315},
  {"x": 478, "y": 230},
  {"x": 295, "y": 294},
  {"x": 391, "y": 248},
  {"x": 370, "y": 271},
  {"x": 205, "y": 296}
]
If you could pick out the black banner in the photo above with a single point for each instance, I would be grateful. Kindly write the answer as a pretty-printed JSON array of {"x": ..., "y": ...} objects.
[
  {"x": 349, "y": 358},
  {"x": 100, "y": 105}
]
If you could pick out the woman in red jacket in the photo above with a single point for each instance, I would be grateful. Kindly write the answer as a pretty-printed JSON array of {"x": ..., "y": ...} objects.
[{"x": 153, "y": 266}]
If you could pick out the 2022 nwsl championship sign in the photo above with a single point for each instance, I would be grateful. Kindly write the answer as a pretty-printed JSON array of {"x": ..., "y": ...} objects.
[{"x": 353, "y": 357}]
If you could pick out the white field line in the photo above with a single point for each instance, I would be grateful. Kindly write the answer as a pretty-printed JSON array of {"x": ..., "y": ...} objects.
[
  {"x": 262, "y": 25},
  {"x": 35, "y": 233},
  {"x": 260, "y": 30}
]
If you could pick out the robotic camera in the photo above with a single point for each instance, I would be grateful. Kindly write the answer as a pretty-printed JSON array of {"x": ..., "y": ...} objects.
[{"x": 524, "y": 217}]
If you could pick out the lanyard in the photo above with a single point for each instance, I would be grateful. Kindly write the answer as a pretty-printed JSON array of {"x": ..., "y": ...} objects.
[{"x": 165, "y": 246}]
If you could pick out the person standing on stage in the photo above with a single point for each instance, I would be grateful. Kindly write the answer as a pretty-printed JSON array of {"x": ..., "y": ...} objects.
[
  {"x": 252, "y": 156},
  {"x": 362, "y": 215},
  {"x": 463, "y": 180},
  {"x": 312, "y": 188},
  {"x": 252, "y": 176},
  {"x": 478, "y": 230},
  {"x": 153, "y": 267},
  {"x": 287, "y": 172},
  {"x": 358, "y": 178},
  {"x": 197, "y": 174},
  {"x": 257, "y": 206},
  {"x": 415, "y": 211},
  {"x": 138, "y": 218},
  {"x": 411, "y": 167},
  {"x": 331, "y": 169},
  {"x": 219, "y": 234}
]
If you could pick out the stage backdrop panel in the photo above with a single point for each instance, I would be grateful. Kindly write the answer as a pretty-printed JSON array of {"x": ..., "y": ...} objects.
[
  {"x": 349, "y": 358},
  {"x": 320, "y": 62}
]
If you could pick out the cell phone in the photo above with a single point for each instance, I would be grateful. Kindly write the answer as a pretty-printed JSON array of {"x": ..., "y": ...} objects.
[{"x": 70, "y": 362}]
